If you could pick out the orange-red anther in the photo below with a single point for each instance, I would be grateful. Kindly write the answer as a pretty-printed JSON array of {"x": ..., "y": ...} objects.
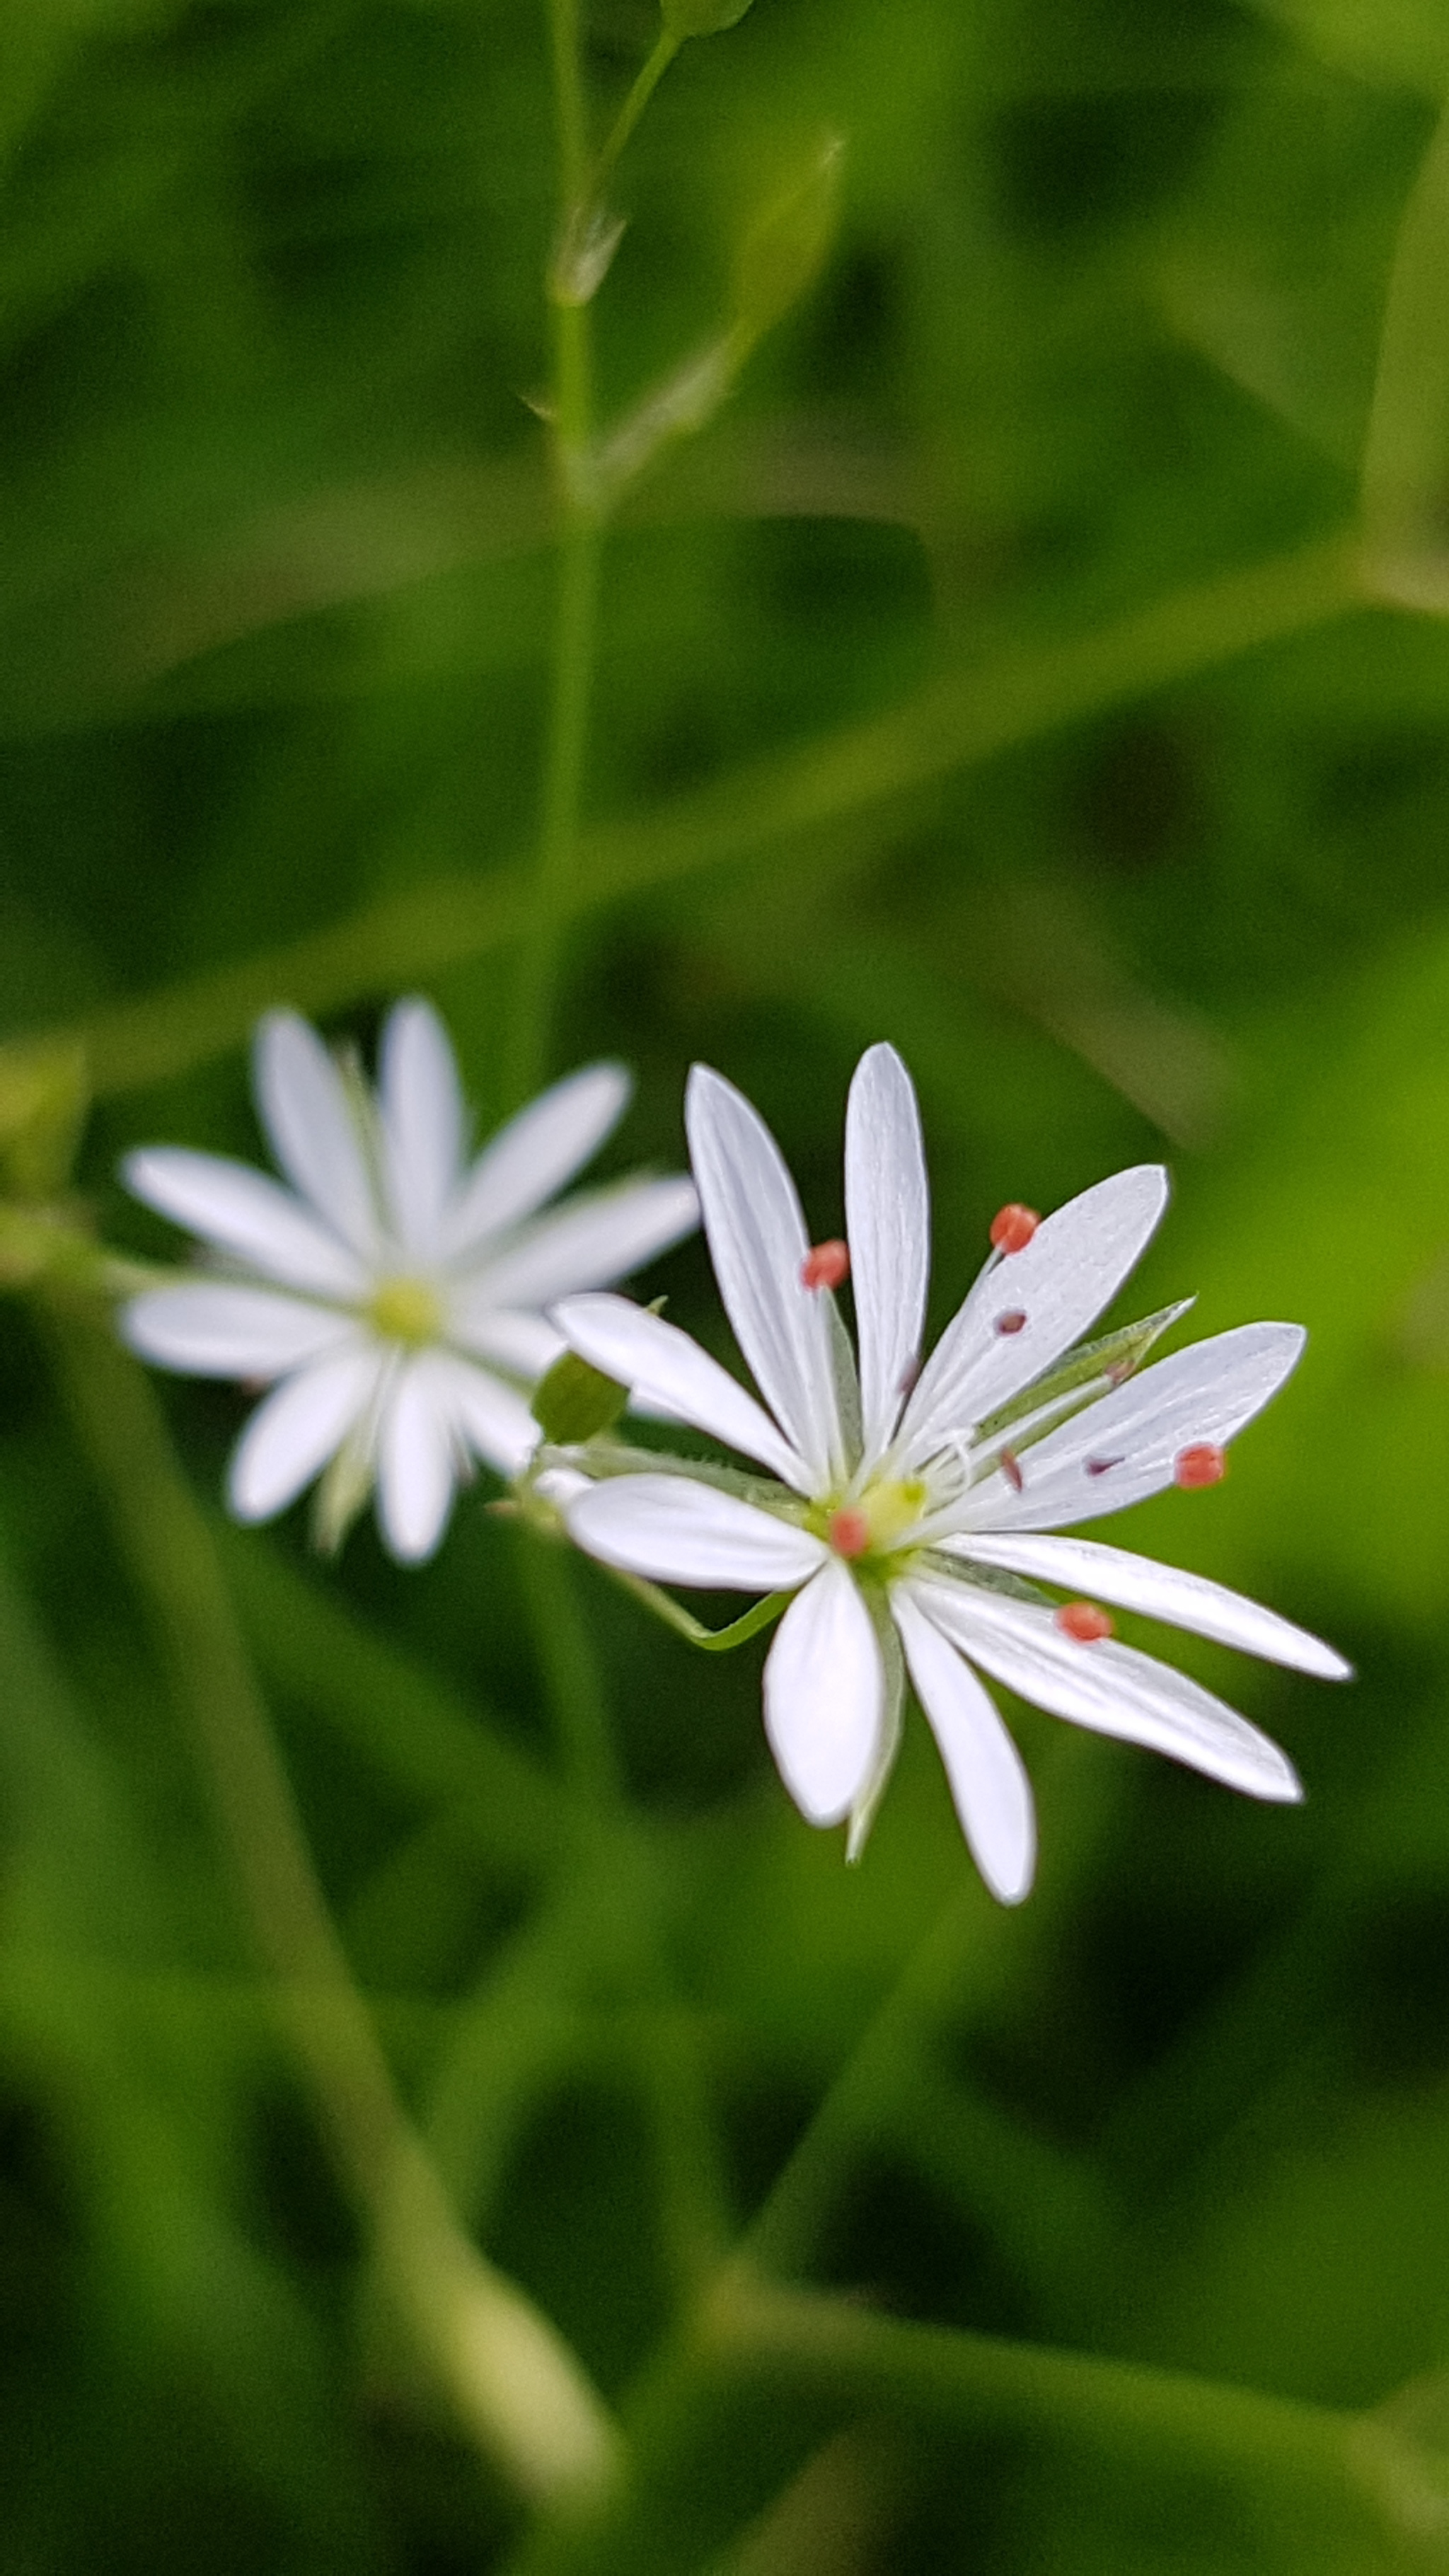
[
  {"x": 1012, "y": 1322},
  {"x": 1203, "y": 1464},
  {"x": 1012, "y": 1227},
  {"x": 825, "y": 1265},
  {"x": 849, "y": 1533},
  {"x": 1010, "y": 1466},
  {"x": 1084, "y": 1621}
]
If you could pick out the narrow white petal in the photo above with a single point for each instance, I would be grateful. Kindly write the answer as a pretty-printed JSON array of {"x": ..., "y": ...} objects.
[
  {"x": 210, "y": 1329},
  {"x": 296, "y": 1429},
  {"x": 1074, "y": 1264},
  {"x": 537, "y": 1152},
  {"x": 1109, "y": 1688},
  {"x": 306, "y": 1112},
  {"x": 1159, "y": 1592},
  {"x": 824, "y": 1695},
  {"x": 988, "y": 1779},
  {"x": 758, "y": 1242},
  {"x": 676, "y": 1531},
  {"x": 888, "y": 1220},
  {"x": 523, "y": 1344},
  {"x": 1123, "y": 1447},
  {"x": 417, "y": 1459},
  {"x": 244, "y": 1213},
  {"x": 422, "y": 1125},
  {"x": 661, "y": 1364},
  {"x": 492, "y": 1419},
  {"x": 590, "y": 1242}
]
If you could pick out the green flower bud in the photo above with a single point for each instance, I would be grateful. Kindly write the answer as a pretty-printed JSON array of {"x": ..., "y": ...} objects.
[
  {"x": 683, "y": 18},
  {"x": 574, "y": 1402}
]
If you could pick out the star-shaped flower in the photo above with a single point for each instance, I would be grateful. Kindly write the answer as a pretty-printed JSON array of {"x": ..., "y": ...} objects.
[
  {"x": 393, "y": 1297},
  {"x": 907, "y": 1506}
]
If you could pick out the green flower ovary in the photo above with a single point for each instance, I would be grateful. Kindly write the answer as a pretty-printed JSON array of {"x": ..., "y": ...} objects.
[
  {"x": 872, "y": 1524},
  {"x": 405, "y": 1310}
]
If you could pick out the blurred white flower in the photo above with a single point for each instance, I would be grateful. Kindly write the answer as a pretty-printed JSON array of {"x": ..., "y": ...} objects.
[
  {"x": 393, "y": 1297},
  {"x": 906, "y": 1514}
]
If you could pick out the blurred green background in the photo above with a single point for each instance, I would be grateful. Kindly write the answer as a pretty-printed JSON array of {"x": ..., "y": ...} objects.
[{"x": 986, "y": 676}]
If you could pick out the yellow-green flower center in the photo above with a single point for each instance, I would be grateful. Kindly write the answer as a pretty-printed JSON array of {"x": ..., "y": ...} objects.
[
  {"x": 405, "y": 1310},
  {"x": 872, "y": 1523}
]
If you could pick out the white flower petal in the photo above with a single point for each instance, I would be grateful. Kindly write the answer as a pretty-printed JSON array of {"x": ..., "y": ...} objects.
[
  {"x": 677, "y": 1531},
  {"x": 988, "y": 1779},
  {"x": 757, "y": 1242},
  {"x": 523, "y": 1344},
  {"x": 1074, "y": 1264},
  {"x": 492, "y": 1419},
  {"x": 560, "y": 1486},
  {"x": 305, "y": 1109},
  {"x": 422, "y": 1125},
  {"x": 888, "y": 1221},
  {"x": 211, "y": 1329},
  {"x": 825, "y": 1695},
  {"x": 661, "y": 1364},
  {"x": 590, "y": 1242},
  {"x": 245, "y": 1213},
  {"x": 1109, "y": 1688},
  {"x": 1159, "y": 1592},
  {"x": 533, "y": 1156},
  {"x": 1123, "y": 1447},
  {"x": 297, "y": 1428},
  {"x": 417, "y": 1459}
]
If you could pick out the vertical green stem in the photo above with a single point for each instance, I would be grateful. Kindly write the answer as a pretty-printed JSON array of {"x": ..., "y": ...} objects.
[
  {"x": 535, "y": 997},
  {"x": 514, "y": 2383},
  {"x": 572, "y": 1684},
  {"x": 576, "y": 612}
]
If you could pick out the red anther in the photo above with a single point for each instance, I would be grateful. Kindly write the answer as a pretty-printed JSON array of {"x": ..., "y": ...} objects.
[
  {"x": 1012, "y": 1322},
  {"x": 1084, "y": 1621},
  {"x": 849, "y": 1533},
  {"x": 825, "y": 1265},
  {"x": 1010, "y": 1466},
  {"x": 1012, "y": 1227},
  {"x": 1119, "y": 1372},
  {"x": 1100, "y": 1466},
  {"x": 1203, "y": 1464}
]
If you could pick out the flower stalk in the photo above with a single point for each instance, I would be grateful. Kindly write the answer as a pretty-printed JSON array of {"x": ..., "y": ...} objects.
[{"x": 514, "y": 2385}]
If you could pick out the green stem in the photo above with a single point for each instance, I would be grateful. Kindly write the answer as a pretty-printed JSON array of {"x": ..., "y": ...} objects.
[
  {"x": 555, "y": 896},
  {"x": 784, "y": 2227},
  {"x": 713, "y": 1641},
  {"x": 800, "y": 797},
  {"x": 665, "y": 49},
  {"x": 576, "y": 613},
  {"x": 570, "y": 112},
  {"x": 514, "y": 2383},
  {"x": 572, "y": 1682},
  {"x": 958, "y": 2377}
]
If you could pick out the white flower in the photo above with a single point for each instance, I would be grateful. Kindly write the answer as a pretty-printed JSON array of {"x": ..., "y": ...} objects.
[
  {"x": 394, "y": 1295},
  {"x": 907, "y": 1508}
]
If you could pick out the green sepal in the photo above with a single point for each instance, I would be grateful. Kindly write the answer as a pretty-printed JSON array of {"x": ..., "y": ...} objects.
[
  {"x": 1114, "y": 1357},
  {"x": 574, "y": 1402},
  {"x": 893, "y": 1700}
]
